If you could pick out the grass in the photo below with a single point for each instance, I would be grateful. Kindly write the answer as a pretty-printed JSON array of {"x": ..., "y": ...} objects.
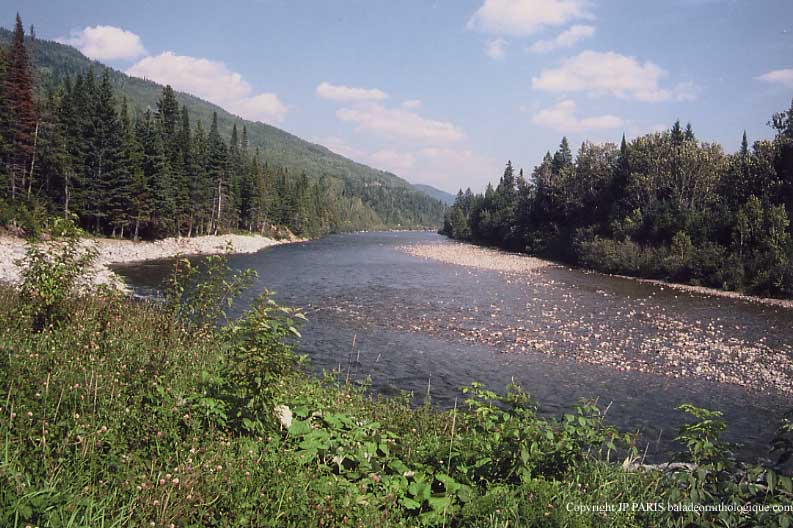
[{"x": 121, "y": 413}]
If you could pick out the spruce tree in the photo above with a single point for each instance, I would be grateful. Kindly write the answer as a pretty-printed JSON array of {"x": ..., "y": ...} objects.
[
  {"x": 183, "y": 169},
  {"x": 677, "y": 133},
  {"x": 158, "y": 175},
  {"x": 200, "y": 185},
  {"x": 5, "y": 125},
  {"x": 121, "y": 188},
  {"x": 688, "y": 135},
  {"x": 216, "y": 172},
  {"x": 140, "y": 188},
  {"x": 563, "y": 158},
  {"x": 22, "y": 113}
]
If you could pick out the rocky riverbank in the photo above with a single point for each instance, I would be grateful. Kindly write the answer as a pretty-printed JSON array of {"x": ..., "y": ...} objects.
[
  {"x": 480, "y": 257},
  {"x": 639, "y": 332},
  {"x": 113, "y": 251}
]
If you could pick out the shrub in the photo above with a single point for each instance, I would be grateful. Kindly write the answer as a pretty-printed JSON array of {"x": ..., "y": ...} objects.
[{"x": 52, "y": 272}]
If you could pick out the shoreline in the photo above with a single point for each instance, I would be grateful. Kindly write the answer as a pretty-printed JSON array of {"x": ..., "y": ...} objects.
[
  {"x": 656, "y": 341},
  {"x": 536, "y": 263},
  {"x": 116, "y": 251}
]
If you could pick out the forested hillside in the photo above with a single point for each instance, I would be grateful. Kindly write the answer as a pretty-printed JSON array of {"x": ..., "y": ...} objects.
[
  {"x": 663, "y": 206},
  {"x": 128, "y": 157},
  {"x": 438, "y": 194}
]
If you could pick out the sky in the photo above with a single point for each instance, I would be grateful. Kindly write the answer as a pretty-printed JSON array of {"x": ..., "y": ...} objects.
[{"x": 445, "y": 92}]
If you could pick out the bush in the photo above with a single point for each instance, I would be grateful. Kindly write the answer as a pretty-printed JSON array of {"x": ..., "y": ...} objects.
[{"x": 51, "y": 274}]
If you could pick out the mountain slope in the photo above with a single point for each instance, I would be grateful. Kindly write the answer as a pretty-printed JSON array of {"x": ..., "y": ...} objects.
[
  {"x": 394, "y": 201},
  {"x": 432, "y": 192}
]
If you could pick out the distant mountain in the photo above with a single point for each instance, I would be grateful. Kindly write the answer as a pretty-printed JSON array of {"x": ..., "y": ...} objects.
[
  {"x": 391, "y": 201},
  {"x": 438, "y": 194}
]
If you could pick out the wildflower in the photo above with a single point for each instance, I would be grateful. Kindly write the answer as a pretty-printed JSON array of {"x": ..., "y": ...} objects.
[{"x": 175, "y": 480}]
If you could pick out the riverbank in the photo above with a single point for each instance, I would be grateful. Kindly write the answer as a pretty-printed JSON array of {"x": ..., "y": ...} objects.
[
  {"x": 120, "y": 414},
  {"x": 639, "y": 333},
  {"x": 114, "y": 251},
  {"x": 471, "y": 255}
]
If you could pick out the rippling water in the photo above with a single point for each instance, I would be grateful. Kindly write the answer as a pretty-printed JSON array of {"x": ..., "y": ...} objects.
[{"x": 378, "y": 312}]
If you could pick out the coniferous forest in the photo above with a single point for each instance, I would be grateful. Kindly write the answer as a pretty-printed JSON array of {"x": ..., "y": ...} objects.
[
  {"x": 72, "y": 144},
  {"x": 663, "y": 206}
]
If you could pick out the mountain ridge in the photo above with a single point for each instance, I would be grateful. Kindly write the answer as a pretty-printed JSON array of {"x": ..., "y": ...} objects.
[
  {"x": 395, "y": 202},
  {"x": 434, "y": 192}
]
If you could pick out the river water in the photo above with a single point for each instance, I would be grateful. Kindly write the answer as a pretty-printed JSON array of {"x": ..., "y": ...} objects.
[{"x": 405, "y": 322}]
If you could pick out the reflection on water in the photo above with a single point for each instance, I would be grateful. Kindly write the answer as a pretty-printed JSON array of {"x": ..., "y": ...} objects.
[{"x": 410, "y": 322}]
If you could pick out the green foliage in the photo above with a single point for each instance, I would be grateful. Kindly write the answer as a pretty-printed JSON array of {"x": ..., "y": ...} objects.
[
  {"x": 51, "y": 274},
  {"x": 168, "y": 178},
  {"x": 664, "y": 206},
  {"x": 199, "y": 296},
  {"x": 714, "y": 478},
  {"x": 259, "y": 354}
]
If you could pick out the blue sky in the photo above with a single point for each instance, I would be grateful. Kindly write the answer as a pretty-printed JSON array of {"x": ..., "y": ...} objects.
[{"x": 444, "y": 92}]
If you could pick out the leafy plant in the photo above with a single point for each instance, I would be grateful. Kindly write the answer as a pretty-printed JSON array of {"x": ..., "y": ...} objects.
[
  {"x": 52, "y": 272},
  {"x": 200, "y": 295}
]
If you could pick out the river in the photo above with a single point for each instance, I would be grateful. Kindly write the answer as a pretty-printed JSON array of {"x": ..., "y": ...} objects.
[{"x": 376, "y": 312}]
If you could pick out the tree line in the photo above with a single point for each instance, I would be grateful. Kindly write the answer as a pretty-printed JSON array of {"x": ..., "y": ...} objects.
[
  {"x": 664, "y": 206},
  {"x": 79, "y": 150}
]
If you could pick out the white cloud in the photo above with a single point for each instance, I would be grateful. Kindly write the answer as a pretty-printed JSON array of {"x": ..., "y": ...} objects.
[
  {"x": 496, "y": 48},
  {"x": 525, "y": 17},
  {"x": 453, "y": 168},
  {"x": 106, "y": 43},
  {"x": 346, "y": 94},
  {"x": 393, "y": 160},
  {"x": 562, "y": 118},
  {"x": 611, "y": 74},
  {"x": 566, "y": 39},
  {"x": 212, "y": 81},
  {"x": 783, "y": 77},
  {"x": 399, "y": 123},
  {"x": 411, "y": 104}
]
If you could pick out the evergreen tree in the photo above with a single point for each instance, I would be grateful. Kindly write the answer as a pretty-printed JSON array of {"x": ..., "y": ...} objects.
[
  {"x": 5, "y": 125},
  {"x": 158, "y": 175},
  {"x": 120, "y": 198},
  {"x": 140, "y": 203},
  {"x": 689, "y": 133},
  {"x": 563, "y": 159},
  {"x": 22, "y": 112},
  {"x": 216, "y": 172},
  {"x": 104, "y": 155},
  {"x": 200, "y": 185},
  {"x": 677, "y": 133}
]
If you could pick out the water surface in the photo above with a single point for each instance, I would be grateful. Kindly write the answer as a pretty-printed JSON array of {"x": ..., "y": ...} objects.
[{"x": 375, "y": 311}]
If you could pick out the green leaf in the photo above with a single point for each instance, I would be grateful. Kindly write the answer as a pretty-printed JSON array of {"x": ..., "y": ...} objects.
[
  {"x": 409, "y": 503},
  {"x": 439, "y": 504},
  {"x": 771, "y": 479},
  {"x": 420, "y": 490},
  {"x": 300, "y": 427}
]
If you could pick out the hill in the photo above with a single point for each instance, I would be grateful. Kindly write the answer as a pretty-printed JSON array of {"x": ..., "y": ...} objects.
[
  {"x": 387, "y": 200},
  {"x": 432, "y": 192}
]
